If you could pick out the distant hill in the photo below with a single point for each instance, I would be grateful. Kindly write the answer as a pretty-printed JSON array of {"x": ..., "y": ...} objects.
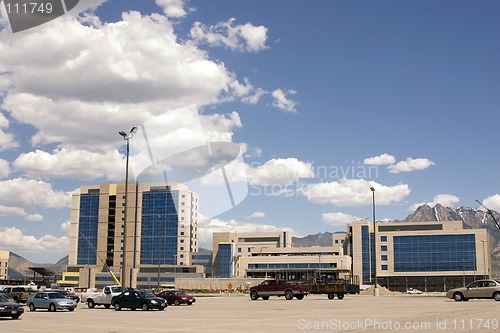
[
  {"x": 19, "y": 266},
  {"x": 321, "y": 239}
]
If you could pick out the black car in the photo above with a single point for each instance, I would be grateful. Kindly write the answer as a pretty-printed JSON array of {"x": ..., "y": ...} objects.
[
  {"x": 70, "y": 295},
  {"x": 134, "y": 299},
  {"x": 9, "y": 308}
]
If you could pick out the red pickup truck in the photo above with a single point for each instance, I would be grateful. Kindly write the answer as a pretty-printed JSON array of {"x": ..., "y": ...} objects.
[{"x": 278, "y": 288}]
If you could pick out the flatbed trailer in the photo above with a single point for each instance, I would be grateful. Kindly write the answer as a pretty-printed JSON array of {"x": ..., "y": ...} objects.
[{"x": 339, "y": 288}]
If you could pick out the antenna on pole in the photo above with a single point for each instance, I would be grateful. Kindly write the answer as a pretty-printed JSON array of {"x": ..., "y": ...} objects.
[{"x": 489, "y": 211}]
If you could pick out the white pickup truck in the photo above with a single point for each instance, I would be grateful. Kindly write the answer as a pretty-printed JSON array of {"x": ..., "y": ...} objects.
[{"x": 103, "y": 297}]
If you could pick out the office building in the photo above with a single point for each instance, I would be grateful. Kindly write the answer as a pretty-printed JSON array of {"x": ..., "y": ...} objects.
[
  {"x": 271, "y": 255},
  {"x": 432, "y": 256}
]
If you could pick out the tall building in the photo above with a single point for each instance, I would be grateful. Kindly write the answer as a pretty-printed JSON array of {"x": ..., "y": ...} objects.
[
  {"x": 432, "y": 256},
  {"x": 162, "y": 231}
]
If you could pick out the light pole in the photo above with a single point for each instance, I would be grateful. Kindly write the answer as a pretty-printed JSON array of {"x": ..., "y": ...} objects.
[
  {"x": 375, "y": 289},
  {"x": 127, "y": 138},
  {"x": 484, "y": 258}
]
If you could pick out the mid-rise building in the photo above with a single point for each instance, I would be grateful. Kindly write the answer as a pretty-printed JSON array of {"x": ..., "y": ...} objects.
[
  {"x": 433, "y": 256},
  {"x": 271, "y": 255},
  {"x": 162, "y": 232}
]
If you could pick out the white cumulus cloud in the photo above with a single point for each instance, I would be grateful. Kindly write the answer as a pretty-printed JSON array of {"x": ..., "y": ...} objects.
[
  {"x": 172, "y": 8},
  {"x": 257, "y": 215},
  {"x": 493, "y": 202},
  {"x": 410, "y": 164},
  {"x": 384, "y": 159},
  {"x": 280, "y": 171},
  {"x": 354, "y": 192},
  {"x": 338, "y": 219},
  {"x": 23, "y": 192},
  {"x": 281, "y": 101},
  {"x": 243, "y": 38},
  {"x": 15, "y": 240}
]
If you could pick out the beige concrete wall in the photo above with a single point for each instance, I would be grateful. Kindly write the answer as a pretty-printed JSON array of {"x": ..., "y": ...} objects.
[{"x": 216, "y": 284}]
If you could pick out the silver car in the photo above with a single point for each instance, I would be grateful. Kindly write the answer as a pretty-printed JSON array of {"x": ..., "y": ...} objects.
[
  {"x": 476, "y": 289},
  {"x": 50, "y": 300}
]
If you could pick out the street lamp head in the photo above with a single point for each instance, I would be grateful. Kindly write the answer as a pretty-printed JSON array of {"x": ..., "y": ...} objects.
[
  {"x": 372, "y": 189},
  {"x": 122, "y": 133},
  {"x": 133, "y": 130}
]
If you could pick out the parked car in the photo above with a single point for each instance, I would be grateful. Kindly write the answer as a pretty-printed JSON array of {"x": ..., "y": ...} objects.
[
  {"x": 50, "y": 300},
  {"x": 413, "y": 291},
  {"x": 20, "y": 293},
  {"x": 176, "y": 297},
  {"x": 103, "y": 297},
  {"x": 135, "y": 299},
  {"x": 9, "y": 308},
  {"x": 476, "y": 289}
]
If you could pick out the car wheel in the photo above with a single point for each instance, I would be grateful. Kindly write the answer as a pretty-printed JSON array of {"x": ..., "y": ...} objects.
[
  {"x": 254, "y": 296},
  {"x": 71, "y": 309},
  {"x": 107, "y": 306},
  {"x": 331, "y": 295},
  {"x": 299, "y": 297},
  {"x": 145, "y": 306},
  {"x": 340, "y": 296},
  {"x": 176, "y": 302},
  {"x": 496, "y": 296},
  {"x": 91, "y": 304},
  {"x": 15, "y": 317},
  {"x": 189, "y": 303},
  {"x": 52, "y": 307},
  {"x": 117, "y": 306},
  {"x": 288, "y": 295},
  {"x": 458, "y": 297},
  {"x": 32, "y": 307},
  {"x": 16, "y": 299}
]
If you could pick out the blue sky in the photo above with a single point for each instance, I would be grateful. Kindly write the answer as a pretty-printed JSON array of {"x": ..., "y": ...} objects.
[{"x": 325, "y": 99}]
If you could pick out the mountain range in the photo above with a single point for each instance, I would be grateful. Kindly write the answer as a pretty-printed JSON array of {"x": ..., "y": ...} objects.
[{"x": 470, "y": 217}]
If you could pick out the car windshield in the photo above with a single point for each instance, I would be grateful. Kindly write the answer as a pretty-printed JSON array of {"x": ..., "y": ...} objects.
[
  {"x": 56, "y": 295},
  {"x": 146, "y": 294},
  {"x": 3, "y": 298}
]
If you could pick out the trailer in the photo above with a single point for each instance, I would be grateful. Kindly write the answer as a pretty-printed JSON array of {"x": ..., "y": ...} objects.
[{"x": 339, "y": 288}]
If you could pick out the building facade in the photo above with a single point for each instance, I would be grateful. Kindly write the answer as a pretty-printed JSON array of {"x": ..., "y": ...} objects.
[
  {"x": 433, "y": 256},
  {"x": 162, "y": 231},
  {"x": 4, "y": 265},
  {"x": 271, "y": 255}
]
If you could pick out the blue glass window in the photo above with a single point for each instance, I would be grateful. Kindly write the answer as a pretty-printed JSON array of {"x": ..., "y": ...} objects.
[
  {"x": 434, "y": 253},
  {"x": 87, "y": 229},
  {"x": 159, "y": 227}
]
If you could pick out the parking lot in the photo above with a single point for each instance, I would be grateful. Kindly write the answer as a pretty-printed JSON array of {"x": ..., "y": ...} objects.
[{"x": 355, "y": 313}]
